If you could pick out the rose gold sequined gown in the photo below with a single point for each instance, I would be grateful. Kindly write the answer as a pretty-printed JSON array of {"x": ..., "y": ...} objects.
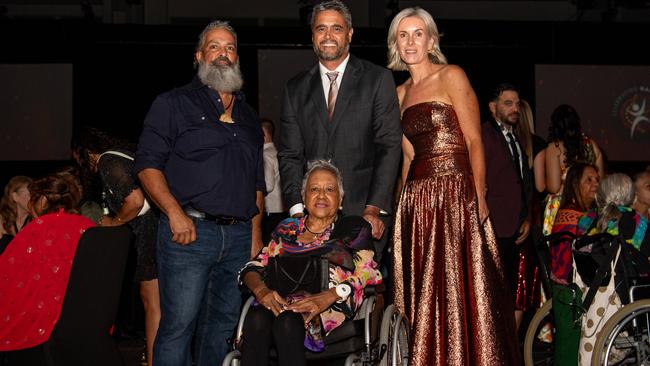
[{"x": 448, "y": 278}]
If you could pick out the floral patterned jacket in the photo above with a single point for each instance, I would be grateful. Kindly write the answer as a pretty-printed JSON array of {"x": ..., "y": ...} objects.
[{"x": 350, "y": 261}]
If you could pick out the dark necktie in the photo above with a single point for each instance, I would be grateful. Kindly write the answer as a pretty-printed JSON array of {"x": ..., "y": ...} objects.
[
  {"x": 515, "y": 152},
  {"x": 331, "y": 96}
]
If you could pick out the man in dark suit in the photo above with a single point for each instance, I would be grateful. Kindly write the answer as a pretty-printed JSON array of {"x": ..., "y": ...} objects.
[
  {"x": 509, "y": 180},
  {"x": 345, "y": 110}
]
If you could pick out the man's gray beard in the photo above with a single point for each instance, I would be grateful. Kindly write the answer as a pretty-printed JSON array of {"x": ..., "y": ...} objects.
[
  {"x": 324, "y": 57},
  {"x": 226, "y": 79}
]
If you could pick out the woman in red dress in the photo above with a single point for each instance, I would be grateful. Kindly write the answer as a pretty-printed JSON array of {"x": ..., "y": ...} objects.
[{"x": 35, "y": 267}]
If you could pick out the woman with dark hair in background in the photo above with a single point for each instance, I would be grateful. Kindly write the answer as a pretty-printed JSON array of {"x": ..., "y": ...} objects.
[
  {"x": 35, "y": 268},
  {"x": 578, "y": 197},
  {"x": 14, "y": 213},
  {"x": 567, "y": 146},
  {"x": 99, "y": 153}
]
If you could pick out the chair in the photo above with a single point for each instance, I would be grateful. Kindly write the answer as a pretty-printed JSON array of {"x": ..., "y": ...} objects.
[
  {"x": 374, "y": 337},
  {"x": 81, "y": 336}
]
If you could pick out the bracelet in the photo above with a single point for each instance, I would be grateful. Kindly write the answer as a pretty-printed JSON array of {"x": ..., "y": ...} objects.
[{"x": 100, "y": 220}]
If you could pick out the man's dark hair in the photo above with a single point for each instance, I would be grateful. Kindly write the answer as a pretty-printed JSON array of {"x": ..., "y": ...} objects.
[
  {"x": 335, "y": 5},
  {"x": 499, "y": 89},
  {"x": 268, "y": 125}
]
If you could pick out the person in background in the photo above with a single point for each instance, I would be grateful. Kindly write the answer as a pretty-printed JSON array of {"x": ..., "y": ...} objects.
[
  {"x": 509, "y": 178},
  {"x": 533, "y": 145},
  {"x": 112, "y": 160},
  {"x": 35, "y": 267},
  {"x": 527, "y": 290},
  {"x": 14, "y": 213},
  {"x": 642, "y": 193},
  {"x": 273, "y": 208},
  {"x": 578, "y": 198},
  {"x": 567, "y": 146},
  {"x": 615, "y": 216}
]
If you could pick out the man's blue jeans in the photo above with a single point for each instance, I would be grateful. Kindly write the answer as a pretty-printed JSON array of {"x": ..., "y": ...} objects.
[{"x": 199, "y": 278}]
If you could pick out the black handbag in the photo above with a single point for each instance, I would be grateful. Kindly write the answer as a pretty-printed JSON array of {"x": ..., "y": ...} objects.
[
  {"x": 593, "y": 252},
  {"x": 291, "y": 274}
]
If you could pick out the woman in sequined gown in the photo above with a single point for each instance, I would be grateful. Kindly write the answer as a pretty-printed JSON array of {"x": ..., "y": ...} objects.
[{"x": 448, "y": 278}]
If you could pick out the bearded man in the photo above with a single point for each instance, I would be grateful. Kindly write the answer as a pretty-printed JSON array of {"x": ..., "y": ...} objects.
[
  {"x": 345, "y": 110},
  {"x": 200, "y": 160},
  {"x": 508, "y": 178}
]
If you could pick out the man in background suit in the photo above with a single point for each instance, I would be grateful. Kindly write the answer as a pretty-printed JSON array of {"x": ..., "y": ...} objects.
[
  {"x": 509, "y": 180},
  {"x": 345, "y": 110}
]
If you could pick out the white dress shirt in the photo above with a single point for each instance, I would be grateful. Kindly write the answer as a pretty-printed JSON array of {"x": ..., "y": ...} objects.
[
  {"x": 299, "y": 207},
  {"x": 505, "y": 130},
  {"x": 273, "y": 198}
]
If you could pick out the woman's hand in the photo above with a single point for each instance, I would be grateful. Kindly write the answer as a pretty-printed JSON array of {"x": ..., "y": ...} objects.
[
  {"x": 483, "y": 210},
  {"x": 312, "y": 305},
  {"x": 271, "y": 300}
]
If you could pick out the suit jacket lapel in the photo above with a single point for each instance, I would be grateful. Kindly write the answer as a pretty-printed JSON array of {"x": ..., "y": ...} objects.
[
  {"x": 505, "y": 145},
  {"x": 317, "y": 98},
  {"x": 346, "y": 90}
]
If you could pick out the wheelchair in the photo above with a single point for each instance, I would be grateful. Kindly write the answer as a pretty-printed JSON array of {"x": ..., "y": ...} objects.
[
  {"x": 374, "y": 337},
  {"x": 625, "y": 337}
]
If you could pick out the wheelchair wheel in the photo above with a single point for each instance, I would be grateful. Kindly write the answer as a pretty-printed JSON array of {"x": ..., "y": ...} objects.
[
  {"x": 538, "y": 345},
  {"x": 393, "y": 338},
  {"x": 353, "y": 360},
  {"x": 625, "y": 337}
]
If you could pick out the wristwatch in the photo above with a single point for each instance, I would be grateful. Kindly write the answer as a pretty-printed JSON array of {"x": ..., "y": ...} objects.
[{"x": 343, "y": 291}]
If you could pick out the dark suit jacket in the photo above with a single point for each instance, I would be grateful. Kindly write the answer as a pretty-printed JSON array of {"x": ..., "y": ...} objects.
[
  {"x": 508, "y": 195},
  {"x": 363, "y": 139}
]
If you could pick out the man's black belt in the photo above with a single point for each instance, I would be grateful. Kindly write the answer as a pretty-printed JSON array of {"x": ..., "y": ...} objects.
[{"x": 219, "y": 220}]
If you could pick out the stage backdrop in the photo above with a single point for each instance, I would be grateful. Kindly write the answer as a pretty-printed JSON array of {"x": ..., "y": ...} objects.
[
  {"x": 36, "y": 105},
  {"x": 612, "y": 101}
]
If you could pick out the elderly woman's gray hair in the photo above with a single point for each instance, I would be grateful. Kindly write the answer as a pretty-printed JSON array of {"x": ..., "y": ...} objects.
[
  {"x": 316, "y": 165},
  {"x": 614, "y": 190}
]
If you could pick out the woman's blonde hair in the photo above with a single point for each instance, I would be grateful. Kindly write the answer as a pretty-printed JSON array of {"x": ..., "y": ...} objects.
[
  {"x": 435, "y": 54},
  {"x": 525, "y": 129}
]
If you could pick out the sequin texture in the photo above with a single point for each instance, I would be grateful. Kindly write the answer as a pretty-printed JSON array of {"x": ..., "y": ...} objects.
[{"x": 448, "y": 276}]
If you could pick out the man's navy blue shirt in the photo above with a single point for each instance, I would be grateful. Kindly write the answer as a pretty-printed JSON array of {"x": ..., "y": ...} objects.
[{"x": 213, "y": 166}]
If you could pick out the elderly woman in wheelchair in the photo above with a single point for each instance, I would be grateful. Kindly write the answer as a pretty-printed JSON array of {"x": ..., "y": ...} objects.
[
  {"x": 612, "y": 274},
  {"x": 310, "y": 278}
]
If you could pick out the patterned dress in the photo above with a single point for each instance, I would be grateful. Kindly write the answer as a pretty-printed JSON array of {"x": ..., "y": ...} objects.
[
  {"x": 351, "y": 261},
  {"x": 567, "y": 219},
  {"x": 610, "y": 298}
]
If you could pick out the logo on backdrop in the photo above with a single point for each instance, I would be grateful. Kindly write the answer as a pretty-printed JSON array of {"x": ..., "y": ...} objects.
[{"x": 632, "y": 109}]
